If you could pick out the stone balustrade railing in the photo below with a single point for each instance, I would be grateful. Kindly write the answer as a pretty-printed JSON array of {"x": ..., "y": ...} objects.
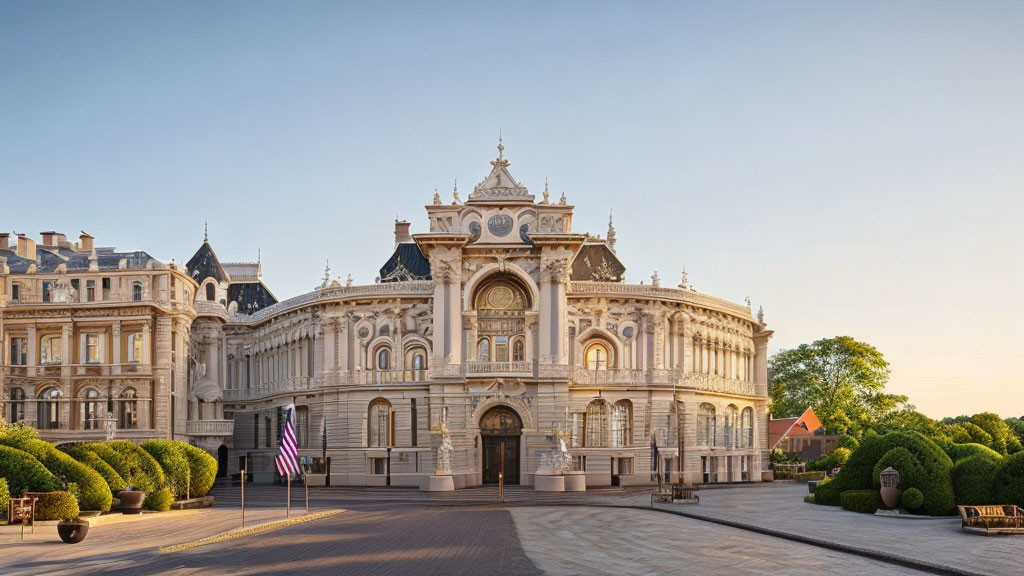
[
  {"x": 661, "y": 293},
  {"x": 60, "y": 370},
  {"x": 210, "y": 427},
  {"x": 206, "y": 307},
  {"x": 410, "y": 288},
  {"x": 282, "y": 386},
  {"x": 715, "y": 383},
  {"x": 517, "y": 367}
]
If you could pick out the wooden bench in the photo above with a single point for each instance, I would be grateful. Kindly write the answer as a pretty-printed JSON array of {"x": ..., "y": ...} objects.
[{"x": 1006, "y": 519}]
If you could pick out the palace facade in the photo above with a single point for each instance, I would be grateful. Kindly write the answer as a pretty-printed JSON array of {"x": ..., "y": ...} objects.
[{"x": 500, "y": 316}]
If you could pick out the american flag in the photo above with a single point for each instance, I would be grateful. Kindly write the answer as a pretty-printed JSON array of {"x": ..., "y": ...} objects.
[{"x": 287, "y": 458}]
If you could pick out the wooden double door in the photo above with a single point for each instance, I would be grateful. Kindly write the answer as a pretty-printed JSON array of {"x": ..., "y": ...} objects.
[{"x": 494, "y": 459}]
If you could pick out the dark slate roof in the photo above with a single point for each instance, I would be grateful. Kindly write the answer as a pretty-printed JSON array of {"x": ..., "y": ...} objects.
[
  {"x": 595, "y": 261},
  {"x": 406, "y": 263},
  {"x": 250, "y": 296},
  {"x": 49, "y": 258},
  {"x": 204, "y": 264}
]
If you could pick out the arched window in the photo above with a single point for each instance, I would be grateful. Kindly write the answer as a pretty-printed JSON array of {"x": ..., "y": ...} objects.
[
  {"x": 518, "y": 350},
  {"x": 135, "y": 347},
  {"x": 127, "y": 410},
  {"x": 49, "y": 350},
  {"x": 501, "y": 348},
  {"x": 597, "y": 356},
  {"x": 732, "y": 420},
  {"x": 484, "y": 350},
  {"x": 383, "y": 358},
  {"x": 92, "y": 411},
  {"x": 706, "y": 425},
  {"x": 597, "y": 424},
  {"x": 211, "y": 292},
  {"x": 48, "y": 409},
  {"x": 17, "y": 405},
  {"x": 137, "y": 291},
  {"x": 381, "y": 423},
  {"x": 622, "y": 423},
  {"x": 416, "y": 364},
  {"x": 747, "y": 434},
  {"x": 501, "y": 303}
]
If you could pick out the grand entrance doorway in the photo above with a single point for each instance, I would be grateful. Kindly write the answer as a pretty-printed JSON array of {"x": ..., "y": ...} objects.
[{"x": 501, "y": 426}]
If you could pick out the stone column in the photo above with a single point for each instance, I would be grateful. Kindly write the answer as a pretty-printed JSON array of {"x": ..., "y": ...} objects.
[
  {"x": 32, "y": 347},
  {"x": 115, "y": 340},
  {"x": 329, "y": 327},
  {"x": 146, "y": 347}
]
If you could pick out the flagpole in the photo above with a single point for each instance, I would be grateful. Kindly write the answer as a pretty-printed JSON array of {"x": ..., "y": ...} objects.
[{"x": 288, "y": 505}]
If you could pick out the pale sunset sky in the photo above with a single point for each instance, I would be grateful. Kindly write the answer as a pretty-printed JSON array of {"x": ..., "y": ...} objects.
[{"x": 855, "y": 168}]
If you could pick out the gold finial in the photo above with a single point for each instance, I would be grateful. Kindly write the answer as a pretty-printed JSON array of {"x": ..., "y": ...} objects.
[
  {"x": 501, "y": 148},
  {"x": 561, "y": 200},
  {"x": 437, "y": 197},
  {"x": 547, "y": 199}
]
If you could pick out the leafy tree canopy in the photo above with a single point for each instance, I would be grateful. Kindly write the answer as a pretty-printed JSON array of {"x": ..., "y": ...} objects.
[{"x": 842, "y": 379}]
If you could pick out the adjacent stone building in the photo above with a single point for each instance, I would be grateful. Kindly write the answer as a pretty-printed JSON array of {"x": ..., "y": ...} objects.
[{"x": 499, "y": 315}]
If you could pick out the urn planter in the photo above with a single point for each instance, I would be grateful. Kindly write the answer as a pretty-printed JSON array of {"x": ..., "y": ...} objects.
[
  {"x": 72, "y": 532},
  {"x": 131, "y": 501}
]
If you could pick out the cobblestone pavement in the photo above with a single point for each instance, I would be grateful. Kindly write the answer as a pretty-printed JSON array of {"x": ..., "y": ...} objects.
[
  {"x": 936, "y": 541},
  {"x": 624, "y": 542}
]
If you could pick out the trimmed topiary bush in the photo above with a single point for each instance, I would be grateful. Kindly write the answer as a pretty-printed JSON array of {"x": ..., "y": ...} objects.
[
  {"x": 859, "y": 471},
  {"x": 848, "y": 442},
  {"x": 960, "y": 451},
  {"x": 86, "y": 456},
  {"x": 56, "y": 506},
  {"x": 5, "y": 496},
  {"x": 912, "y": 499},
  {"x": 203, "y": 468},
  {"x": 172, "y": 460},
  {"x": 863, "y": 501},
  {"x": 1009, "y": 480},
  {"x": 25, "y": 473},
  {"x": 93, "y": 489},
  {"x": 912, "y": 474},
  {"x": 159, "y": 500},
  {"x": 138, "y": 468},
  {"x": 974, "y": 479}
]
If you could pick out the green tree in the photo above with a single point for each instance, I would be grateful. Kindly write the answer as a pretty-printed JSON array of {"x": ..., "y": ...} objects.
[
  {"x": 1004, "y": 440},
  {"x": 842, "y": 379}
]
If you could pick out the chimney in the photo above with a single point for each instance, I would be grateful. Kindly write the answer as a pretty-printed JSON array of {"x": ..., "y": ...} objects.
[
  {"x": 26, "y": 247},
  {"x": 55, "y": 239},
  {"x": 85, "y": 243},
  {"x": 5, "y": 241},
  {"x": 402, "y": 232}
]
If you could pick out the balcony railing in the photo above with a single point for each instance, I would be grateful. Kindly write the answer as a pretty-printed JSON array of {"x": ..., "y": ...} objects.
[
  {"x": 479, "y": 368},
  {"x": 210, "y": 427},
  {"x": 283, "y": 386},
  {"x": 715, "y": 383},
  {"x": 701, "y": 382},
  {"x": 58, "y": 370}
]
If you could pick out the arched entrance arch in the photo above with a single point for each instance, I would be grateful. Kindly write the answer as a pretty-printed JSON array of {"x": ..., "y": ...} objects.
[{"x": 500, "y": 430}]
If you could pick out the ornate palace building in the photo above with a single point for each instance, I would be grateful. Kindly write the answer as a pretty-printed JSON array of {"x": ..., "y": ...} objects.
[{"x": 500, "y": 316}]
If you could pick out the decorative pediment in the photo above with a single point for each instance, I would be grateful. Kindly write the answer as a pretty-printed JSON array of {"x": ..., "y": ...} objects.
[{"x": 499, "y": 185}]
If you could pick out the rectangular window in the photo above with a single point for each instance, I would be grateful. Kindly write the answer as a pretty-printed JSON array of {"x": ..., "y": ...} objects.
[
  {"x": 47, "y": 290},
  {"x": 135, "y": 347},
  {"x": 19, "y": 352},
  {"x": 90, "y": 290},
  {"x": 280, "y": 424},
  {"x": 501, "y": 348},
  {"x": 412, "y": 421},
  {"x": 579, "y": 463},
  {"x": 267, "y": 431},
  {"x": 625, "y": 466},
  {"x": 378, "y": 466},
  {"x": 302, "y": 426},
  {"x": 106, "y": 283},
  {"x": 577, "y": 430},
  {"x": 255, "y": 430},
  {"x": 15, "y": 292},
  {"x": 92, "y": 349}
]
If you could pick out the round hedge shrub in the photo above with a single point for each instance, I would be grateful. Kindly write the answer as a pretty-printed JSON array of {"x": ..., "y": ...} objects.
[
  {"x": 25, "y": 473},
  {"x": 974, "y": 479},
  {"x": 56, "y": 506},
  {"x": 859, "y": 471},
  {"x": 5, "y": 496},
  {"x": 94, "y": 494},
  {"x": 1009, "y": 480},
  {"x": 863, "y": 501},
  {"x": 912, "y": 474},
  {"x": 848, "y": 442},
  {"x": 203, "y": 468},
  {"x": 159, "y": 500},
  {"x": 172, "y": 460},
  {"x": 114, "y": 480},
  {"x": 140, "y": 470},
  {"x": 912, "y": 499},
  {"x": 958, "y": 452}
]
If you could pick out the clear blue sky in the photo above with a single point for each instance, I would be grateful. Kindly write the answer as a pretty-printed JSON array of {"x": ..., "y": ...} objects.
[{"x": 855, "y": 168}]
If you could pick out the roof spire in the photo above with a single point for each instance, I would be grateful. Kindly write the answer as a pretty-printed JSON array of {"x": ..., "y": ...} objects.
[
  {"x": 547, "y": 198},
  {"x": 327, "y": 274},
  {"x": 501, "y": 149},
  {"x": 206, "y": 231},
  {"x": 611, "y": 232}
]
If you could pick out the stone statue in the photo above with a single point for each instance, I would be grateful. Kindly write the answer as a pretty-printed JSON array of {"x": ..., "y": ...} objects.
[
  {"x": 655, "y": 279},
  {"x": 444, "y": 451},
  {"x": 437, "y": 197},
  {"x": 684, "y": 283},
  {"x": 547, "y": 198},
  {"x": 760, "y": 314}
]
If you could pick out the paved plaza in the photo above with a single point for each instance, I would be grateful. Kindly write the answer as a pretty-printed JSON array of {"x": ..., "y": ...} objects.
[{"x": 395, "y": 532}]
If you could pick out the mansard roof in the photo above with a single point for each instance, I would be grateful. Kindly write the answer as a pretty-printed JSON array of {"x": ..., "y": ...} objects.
[
  {"x": 48, "y": 259},
  {"x": 406, "y": 263},
  {"x": 596, "y": 261},
  {"x": 250, "y": 297},
  {"x": 204, "y": 264}
]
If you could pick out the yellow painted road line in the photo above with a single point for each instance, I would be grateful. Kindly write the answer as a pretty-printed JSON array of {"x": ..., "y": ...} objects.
[{"x": 250, "y": 531}]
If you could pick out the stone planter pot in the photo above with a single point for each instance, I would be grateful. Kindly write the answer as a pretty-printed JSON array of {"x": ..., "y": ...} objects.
[
  {"x": 890, "y": 496},
  {"x": 131, "y": 501},
  {"x": 72, "y": 532}
]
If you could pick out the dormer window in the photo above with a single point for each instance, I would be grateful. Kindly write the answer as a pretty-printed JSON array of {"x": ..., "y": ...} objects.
[{"x": 211, "y": 292}]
